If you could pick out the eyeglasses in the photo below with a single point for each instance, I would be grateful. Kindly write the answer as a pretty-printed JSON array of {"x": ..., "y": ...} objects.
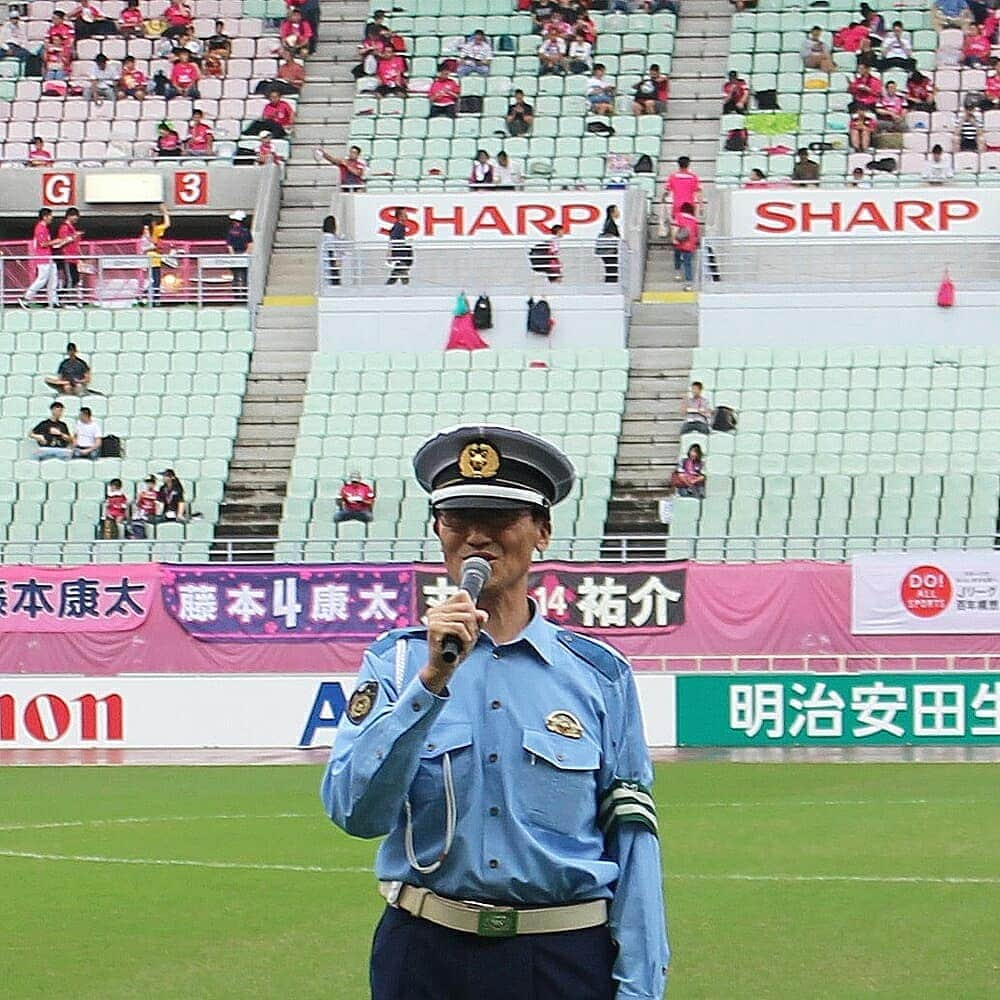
[{"x": 490, "y": 520}]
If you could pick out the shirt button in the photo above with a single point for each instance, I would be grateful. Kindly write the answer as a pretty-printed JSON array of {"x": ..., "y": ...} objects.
[
  {"x": 494, "y": 704},
  {"x": 415, "y": 706},
  {"x": 496, "y": 654},
  {"x": 494, "y": 810},
  {"x": 492, "y": 758},
  {"x": 494, "y": 863}
]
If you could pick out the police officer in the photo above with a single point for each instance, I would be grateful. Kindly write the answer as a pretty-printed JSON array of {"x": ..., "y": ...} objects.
[{"x": 512, "y": 786}]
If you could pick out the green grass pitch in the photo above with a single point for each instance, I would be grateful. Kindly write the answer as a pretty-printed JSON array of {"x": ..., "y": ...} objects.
[{"x": 783, "y": 881}]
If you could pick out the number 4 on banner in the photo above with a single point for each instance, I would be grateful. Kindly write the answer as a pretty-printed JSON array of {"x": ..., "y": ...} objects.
[
  {"x": 285, "y": 600},
  {"x": 191, "y": 187}
]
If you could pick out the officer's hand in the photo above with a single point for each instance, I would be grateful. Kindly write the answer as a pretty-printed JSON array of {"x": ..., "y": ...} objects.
[{"x": 457, "y": 617}]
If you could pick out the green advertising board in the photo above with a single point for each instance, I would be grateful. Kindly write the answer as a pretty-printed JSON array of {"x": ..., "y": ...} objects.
[{"x": 736, "y": 710}]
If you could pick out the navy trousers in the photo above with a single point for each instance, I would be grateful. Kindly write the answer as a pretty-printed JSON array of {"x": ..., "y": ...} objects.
[{"x": 413, "y": 959}]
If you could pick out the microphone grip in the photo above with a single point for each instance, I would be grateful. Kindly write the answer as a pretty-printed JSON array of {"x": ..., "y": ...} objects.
[{"x": 451, "y": 649}]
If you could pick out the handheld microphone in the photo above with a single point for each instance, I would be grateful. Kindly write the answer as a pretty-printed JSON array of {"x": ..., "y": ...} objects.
[{"x": 476, "y": 572}]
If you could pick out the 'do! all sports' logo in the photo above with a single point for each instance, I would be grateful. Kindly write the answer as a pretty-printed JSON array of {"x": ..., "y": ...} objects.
[{"x": 926, "y": 591}]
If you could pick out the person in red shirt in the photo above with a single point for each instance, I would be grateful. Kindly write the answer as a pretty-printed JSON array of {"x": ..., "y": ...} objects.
[
  {"x": 89, "y": 21},
  {"x": 130, "y": 20},
  {"x": 865, "y": 89},
  {"x": 355, "y": 501},
  {"x": 115, "y": 502},
  {"x": 352, "y": 168},
  {"x": 296, "y": 34},
  {"x": 266, "y": 153},
  {"x": 684, "y": 237},
  {"x": 132, "y": 82},
  {"x": 147, "y": 501},
  {"x": 38, "y": 155},
  {"x": 200, "y": 139},
  {"x": 991, "y": 89},
  {"x": 184, "y": 77},
  {"x": 178, "y": 17},
  {"x": 651, "y": 93},
  {"x": 443, "y": 95},
  {"x": 849, "y": 39},
  {"x": 46, "y": 275},
  {"x": 920, "y": 92},
  {"x": 863, "y": 126},
  {"x": 391, "y": 73},
  {"x": 68, "y": 237},
  {"x": 168, "y": 141},
  {"x": 276, "y": 118},
  {"x": 681, "y": 187},
  {"x": 60, "y": 30},
  {"x": 736, "y": 94},
  {"x": 976, "y": 48}
]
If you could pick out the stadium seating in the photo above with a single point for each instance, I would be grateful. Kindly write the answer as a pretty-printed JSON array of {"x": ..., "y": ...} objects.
[
  {"x": 369, "y": 413},
  {"x": 407, "y": 148},
  {"x": 173, "y": 381},
  {"x": 765, "y": 49},
  {"x": 903, "y": 443}
]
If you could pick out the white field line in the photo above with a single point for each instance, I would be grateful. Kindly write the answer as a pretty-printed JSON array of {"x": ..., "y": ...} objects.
[
  {"x": 136, "y": 820},
  {"x": 795, "y": 803},
  {"x": 183, "y": 863}
]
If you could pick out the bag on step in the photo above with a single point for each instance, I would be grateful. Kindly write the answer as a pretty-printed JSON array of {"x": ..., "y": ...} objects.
[
  {"x": 736, "y": 140},
  {"x": 767, "y": 100},
  {"x": 725, "y": 419},
  {"x": 539, "y": 317},
  {"x": 111, "y": 447},
  {"x": 482, "y": 313},
  {"x": 643, "y": 165},
  {"x": 946, "y": 291}
]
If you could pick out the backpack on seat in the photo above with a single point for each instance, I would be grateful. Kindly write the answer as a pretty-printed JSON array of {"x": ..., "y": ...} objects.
[{"x": 540, "y": 319}]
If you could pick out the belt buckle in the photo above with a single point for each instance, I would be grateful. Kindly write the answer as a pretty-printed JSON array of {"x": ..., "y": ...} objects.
[{"x": 497, "y": 923}]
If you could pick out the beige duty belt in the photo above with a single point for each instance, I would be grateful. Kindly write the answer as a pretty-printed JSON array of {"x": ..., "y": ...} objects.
[{"x": 487, "y": 920}]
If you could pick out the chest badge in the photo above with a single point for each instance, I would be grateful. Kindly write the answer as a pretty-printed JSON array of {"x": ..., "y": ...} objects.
[
  {"x": 564, "y": 724},
  {"x": 362, "y": 702}
]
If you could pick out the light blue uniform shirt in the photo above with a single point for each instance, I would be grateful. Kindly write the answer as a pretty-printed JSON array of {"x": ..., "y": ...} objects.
[{"x": 528, "y": 798}]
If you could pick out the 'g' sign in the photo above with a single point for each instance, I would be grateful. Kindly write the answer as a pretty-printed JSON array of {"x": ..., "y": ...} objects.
[{"x": 58, "y": 189}]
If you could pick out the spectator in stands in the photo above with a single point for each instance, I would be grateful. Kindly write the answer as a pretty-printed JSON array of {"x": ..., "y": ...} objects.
[
  {"x": 40, "y": 249},
  {"x": 682, "y": 187},
  {"x": 147, "y": 501},
  {"x": 758, "y": 179},
  {"x": 684, "y": 237},
  {"x": 290, "y": 79},
  {"x": 897, "y": 50},
  {"x": 115, "y": 503},
  {"x": 276, "y": 118},
  {"x": 849, "y": 39},
  {"x": 969, "y": 130},
  {"x": 651, "y": 93},
  {"x": 391, "y": 73},
  {"x": 14, "y": 44},
  {"x": 520, "y": 115},
  {"x": 88, "y": 435},
  {"x": 816, "y": 53},
  {"x": 938, "y": 167},
  {"x": 295, "y": 34},
  {"x": 130, "y": 22},
  {"x": 735, "y": 95},
  {"x": 552, "y": 52},
  {"x": 696, "y": 411},
  {"x": 60, "y": 31},
  {"x": 689, "y": 479},
  {"x": 806, "y": 171},
  {"x": 356, "y": 501},
  {"x": 541, "y": 11},
  {"x": 266, "y": 153},
  {"x": 506, "y": 176},
  {"x": 608, "y": 244},
  {"x": 220, "y": 44},
  {"x": 150, "y": 244},
  {"x": 68, "y": 243},
  {"x": 475, "y": 55},
  {"x": 991, "y": 94},
  {"x": 863, "y": 125},
  {"x": 443, "y": 94},
  {"x": 951, "y": 14},
  {"x": 38, "y": 155},
  {"x": 375, "y": 25},
  {"x": 400, "y": 256},
  {"x": 102, "y": 80},
  {"x": 178, "y": 17},
  {"x": 52, "y": 436},
  {"x": 239, "y": 242},
  {"x": 168, "y": 141},
  {"x": 200, "y": 139},
  {"x": 331, "y": 249},
  {"x": 580, "y": 55},
  {"x": 600, "y": 92},
  {"x": 858, "y": 179},
  {"x": 866, "y": 55},
  {"x": 132, "y": 82},
  {"x": 310, "y": 14},
  {"x": 891, "y": 109},
  {"x": 920, "y": 92},
  {"x": 171, "y": 497},
  {"x": 184, "y": 77},
  {"x": 874, "y": 22},
  {"x": 72, "y": 377},
  {"x": 741, "y": 5},
  {"x": 865, "y": 90},
  {"x": 585, "y": 25},
  {"x": 975, "y": 49},
  {"x": 482, "y": 171},
  {"x": 89, "y": 21},
  {"x": 57, "y": 57},
  {"x": 352, "y": 168}
]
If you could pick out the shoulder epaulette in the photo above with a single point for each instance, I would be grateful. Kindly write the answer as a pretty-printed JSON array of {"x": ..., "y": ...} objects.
[
  {"x": 387, "y": 640},
  {"x": 602, "y": 658}
]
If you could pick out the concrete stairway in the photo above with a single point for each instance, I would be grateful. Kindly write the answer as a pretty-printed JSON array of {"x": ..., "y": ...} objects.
[{"x": 286, "y": 322}]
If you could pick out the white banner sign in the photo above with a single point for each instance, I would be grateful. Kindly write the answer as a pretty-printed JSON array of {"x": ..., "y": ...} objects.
[
  {"x": 184, "y": 711},
  {"x": 497, "y": 215},
  {"x": 908, "y": 593},
  {"x": 803, "y": 212}
]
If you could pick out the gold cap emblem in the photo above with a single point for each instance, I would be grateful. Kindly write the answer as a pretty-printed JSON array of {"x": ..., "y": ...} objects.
[
  {"x": 564, "y": 724},
  {"x": 479, "y": 460}
]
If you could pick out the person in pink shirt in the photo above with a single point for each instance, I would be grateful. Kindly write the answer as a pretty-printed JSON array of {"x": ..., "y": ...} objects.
[
  {"x": 865, "y": 90},
  {"x": 68, "y": 239},
  {"x": 391, "y": 73},
  {"x": 46, "y": 275},
  {"x": 38, "y": 155},
  {"x": 200, "y": 139},
  {"x": 891, "y": 109},
  {"x": 849, "y": 39},
  {"x": 443, "y": 95},
  {"x": 684, "y": 236},
  {"x": 976, "y": 48},
  {"x": 863, "y": 126},
  {"x": 60, "y": 30},
  {"x": 178, "y": 17},
  {"x": 990, "y": 25},
  {"x": 683, "y": 186},
  {"x": 296, "y": 34},
  {"x": 991, "y": 90},
  {"x": 168, "y": 142},
  {"x": 130, "y": 20},
  {"x": 276, "y": 118},
  {"x": 89, "y": 21},
  {"x": 266, "y": 153},
  {"x": 184, "y": 77}
]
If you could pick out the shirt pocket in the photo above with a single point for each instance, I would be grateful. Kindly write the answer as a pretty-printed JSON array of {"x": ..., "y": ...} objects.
[
  {"x": 557, "y": 787},
  {"x": 454, "y": 739}
]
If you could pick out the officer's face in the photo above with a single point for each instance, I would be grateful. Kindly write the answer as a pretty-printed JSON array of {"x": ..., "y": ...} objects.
[{"x": 507, "y": 539}]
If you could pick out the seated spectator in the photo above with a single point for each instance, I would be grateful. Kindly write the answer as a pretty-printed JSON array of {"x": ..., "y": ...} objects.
[
  {"x": 816, "y": 53},
  {"x": 580, "y": 55},
  {"x": 178, "y": 17},
  {"x": 951, "y": 14},
  {"x": 891, "y": 109},
  {"x": 266, "y": 153},
  {"x": 520, "y": 115},
  {"x": 89, "y": 21},
  {"x": 276, "y": 118},
  {"x": 482, "y": 171},
  {"x": 742, "y": 5},
  {"x": 132, "y": 82},
  {"x": 130, "y": 21},
  {"x": 14, "y": 44},
  {"x": 102, "y": 80},
  {"x": 171, "y": 497},
  {"x": 937, "y": 166},
  {"x": 295, "y": 34},
  {"x": 805, "y": 171},
  {"x": 651, "y": 93},
  {"x": 736, "y": 95},
  {"x": 168, "y": 142},
  {"x": 38, "y": 155},
  {"x": 60, "y": 31},
  {"x": 375, "y": 25},
  {"x": 184, "y": 77},
  {"x": 475, "y": 55},
  {"x": 874, "y": 22},
  {"x": 897, "y": 50},
  {"x": 200, "y": 140},
  {"x": 443, "y": 94},
  {"x": 975, "y": 49},
  {"x": 600, "y": 93},
  {"x": 541, "y": 12},
  {"x": 290, "y": 79},
  {"x": 858, "y": 179},
  {"x": 88, "y": 436},
  {"x": 391, "y": 73},
  {"x": 849, "y": 39},
  {"x": 866, "y": 55},
  {"x": 990, "y": 26},
  {"x": 506, "y": 176},
  {"x": 920, "y": 92},
  {"x": 696, "y": 411},
  {"x": 863, "y": 125},
  {"x": 52, "y": 436},
  {"x": 865, "y": 90},
  {"x": 991, "y": 94},
  {"x": 356, "y": 501},
  {"x": 219, "y": 44},
  {"x": 684, "y": 238},
  {"x": 969, "y": 130},
  {"x": 57, "y": 58},
  {"x": 352, "y": 168},
  {"x": 72, "y": 377},
  {"x": 689, "y": 479},
  {"x": 147, "y": 501},
  {"x": 758, "y": 179},
  {"x": 188, "y": 42},
  {"x": 552, "y": 52},
  {"x": 115, "y": 504}
]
